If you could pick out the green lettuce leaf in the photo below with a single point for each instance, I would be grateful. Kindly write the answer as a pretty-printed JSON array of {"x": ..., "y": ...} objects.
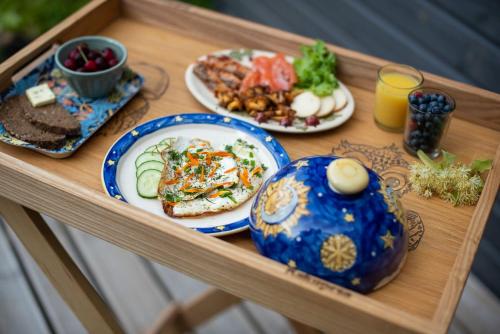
[{"x": 316, "y": 69}]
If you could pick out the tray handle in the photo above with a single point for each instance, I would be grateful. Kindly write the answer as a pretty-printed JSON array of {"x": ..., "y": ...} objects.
[{"x": 47, "y": 53}]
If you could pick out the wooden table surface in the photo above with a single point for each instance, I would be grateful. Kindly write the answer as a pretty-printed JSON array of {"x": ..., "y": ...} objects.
[{"x": 424, "y": 285}]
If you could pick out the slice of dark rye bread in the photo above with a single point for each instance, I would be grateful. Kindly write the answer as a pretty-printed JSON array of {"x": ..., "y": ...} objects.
[
  {"x": 12, "y": 118},
  {"x": 53, "y": 118}
]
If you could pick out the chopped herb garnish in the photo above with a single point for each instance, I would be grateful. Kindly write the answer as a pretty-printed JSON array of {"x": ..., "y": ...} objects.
[
  {"x": 199, "y": 150},
  {"x": 245, "y": 161},
  {"x": 172, "y": 198},
  {"x": 251, "y": 154},
  {"x": 229, "y": 194},
  {"x": 174, "y": 155},
  {"x": 264, "y": 167},
  {"x": 252, "y": 163}
]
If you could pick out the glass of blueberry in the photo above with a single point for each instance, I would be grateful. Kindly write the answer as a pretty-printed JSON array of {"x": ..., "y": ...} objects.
[{"x": 428, "y": 118}]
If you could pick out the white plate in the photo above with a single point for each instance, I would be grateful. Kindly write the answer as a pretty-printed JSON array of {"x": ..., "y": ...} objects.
[
  {"x": 208, "y": 99},
  {"x": 118, "y": 171}
]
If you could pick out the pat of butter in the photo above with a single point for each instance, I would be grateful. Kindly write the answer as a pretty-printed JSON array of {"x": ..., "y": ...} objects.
[{"x": 40, "y": 95}]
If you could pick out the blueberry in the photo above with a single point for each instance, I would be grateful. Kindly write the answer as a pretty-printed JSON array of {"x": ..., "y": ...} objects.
[
  {"x": 414, "y": 143},
  {"x": 446, "y": 108},
  {"x": 427, "y": 98},
  {"x": 433, "y": 103},
  {"x": 440, "y": 105},
  {"x": 433, "y": 97},
  {"x": 428, "y": 125},
  {"x": 415, "y": 134},
  {"x": 420, "y": 100},
  {"x": 435, "y": 110},
  {"x": 427, "y": 116},
  {"x": 436, "y": 120},
  {"x": 440, "y": 98},
  {"x": 413, "y": 99},
  {"x": 424, "y": 147},
  {"x": 422, "y": 107},
  {"x": 419, "y": 117}
]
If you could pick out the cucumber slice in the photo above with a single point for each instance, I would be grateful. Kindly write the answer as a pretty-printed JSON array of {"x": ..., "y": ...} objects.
[
  {"x": 147, "y": 156},
  {"x": 156, "y": 148},
  {"x": 168, "y": 141},
  {"x": 147, "y": 183},
  {"x": 151, "y": 164}
]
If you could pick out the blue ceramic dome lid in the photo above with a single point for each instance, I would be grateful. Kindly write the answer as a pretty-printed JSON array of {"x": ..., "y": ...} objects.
[{"x": 333, "y": 218}]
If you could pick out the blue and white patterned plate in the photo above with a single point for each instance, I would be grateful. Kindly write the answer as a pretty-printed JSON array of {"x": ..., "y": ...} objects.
[
  {"x": 92, "y": 113},
  {"x": 118, "y": 170}
]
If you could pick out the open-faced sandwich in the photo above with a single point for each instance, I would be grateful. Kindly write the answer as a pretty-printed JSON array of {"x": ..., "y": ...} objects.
[{"x": 192, "y": 178}]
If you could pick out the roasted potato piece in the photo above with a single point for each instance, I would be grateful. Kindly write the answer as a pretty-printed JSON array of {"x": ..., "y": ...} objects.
[
  {"x": 259, "y": 103},
  {"x": 235, "y": 104}
]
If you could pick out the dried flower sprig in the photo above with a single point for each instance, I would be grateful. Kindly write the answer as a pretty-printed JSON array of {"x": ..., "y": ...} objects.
[{"x": 455, "y": 182}]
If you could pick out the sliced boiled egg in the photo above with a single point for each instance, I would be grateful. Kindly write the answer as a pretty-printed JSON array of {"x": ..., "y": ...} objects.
[
  {"x": 306, "y": 104},
  {"x": 326, "y": 107}
]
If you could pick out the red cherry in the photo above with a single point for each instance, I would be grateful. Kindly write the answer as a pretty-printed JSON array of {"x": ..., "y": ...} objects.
[
  {"x": 112, "y": 62},
  {"x": 70, "y": 63},
  {"x": 84, "y": 47},
  {"x": 90, "y": 66},
  {"x": 101, "y": 63},
  {"x": 74, "y": 54},
  {"x": 108, "y": 54},
  {"x": 93, "y": 54}
]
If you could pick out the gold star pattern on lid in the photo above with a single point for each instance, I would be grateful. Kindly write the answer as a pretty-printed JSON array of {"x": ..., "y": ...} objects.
[
  {"x": 356, "y": 281},
  {"x": 220, "y": 227},
  {"x": 338, "y": 253},
  {"x": 134, "y": 133},
  {"x": 227, "y": 119},
  {"x": 269, "y": 138},
  {"x": 349, "y": 217},
  {"x": 118, "y": 196},
  {"x": 292, "y": 264},
  {"x": 111, "y": 162},
  {"x": 301, "y": 163},
  {"x": 388, "y": 239}
]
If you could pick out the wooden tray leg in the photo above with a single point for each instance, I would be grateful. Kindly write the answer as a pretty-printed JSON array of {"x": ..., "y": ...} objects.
[
  {"x": 59, "y": 268},
  {"x": 181, "y": 318}
]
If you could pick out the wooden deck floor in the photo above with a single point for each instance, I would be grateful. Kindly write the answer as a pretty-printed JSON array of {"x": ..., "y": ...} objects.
[{"x": 138, "y": 290}]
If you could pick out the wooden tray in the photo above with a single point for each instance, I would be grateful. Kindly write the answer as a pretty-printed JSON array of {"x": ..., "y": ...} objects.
[{"x": 168, "y": 36}]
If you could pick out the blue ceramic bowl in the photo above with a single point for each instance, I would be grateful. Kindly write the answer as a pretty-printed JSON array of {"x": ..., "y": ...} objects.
[
  {"x": 93, "y": 84},
  {"x": 358, "y": 241}
]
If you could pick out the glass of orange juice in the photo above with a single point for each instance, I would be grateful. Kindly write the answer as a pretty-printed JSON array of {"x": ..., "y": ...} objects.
[{"x": 394, "y": 83}]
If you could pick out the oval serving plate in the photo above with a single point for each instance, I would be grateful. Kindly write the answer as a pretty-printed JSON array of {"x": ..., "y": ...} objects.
[
  {"x": 118, "y": 169},
  {"x": 208, "y": 99}
]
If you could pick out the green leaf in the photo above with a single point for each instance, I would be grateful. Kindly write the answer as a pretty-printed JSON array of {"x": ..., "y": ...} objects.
[
  {"x": 426, "y": 160},
  {"x": 315, "y": 69},
  {"x": 447, "y": 160},
  {"x": 479, "y": 166}
]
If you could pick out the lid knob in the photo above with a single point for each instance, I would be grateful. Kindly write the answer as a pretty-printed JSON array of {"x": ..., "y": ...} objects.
[{"x": 347, "y": 176}]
